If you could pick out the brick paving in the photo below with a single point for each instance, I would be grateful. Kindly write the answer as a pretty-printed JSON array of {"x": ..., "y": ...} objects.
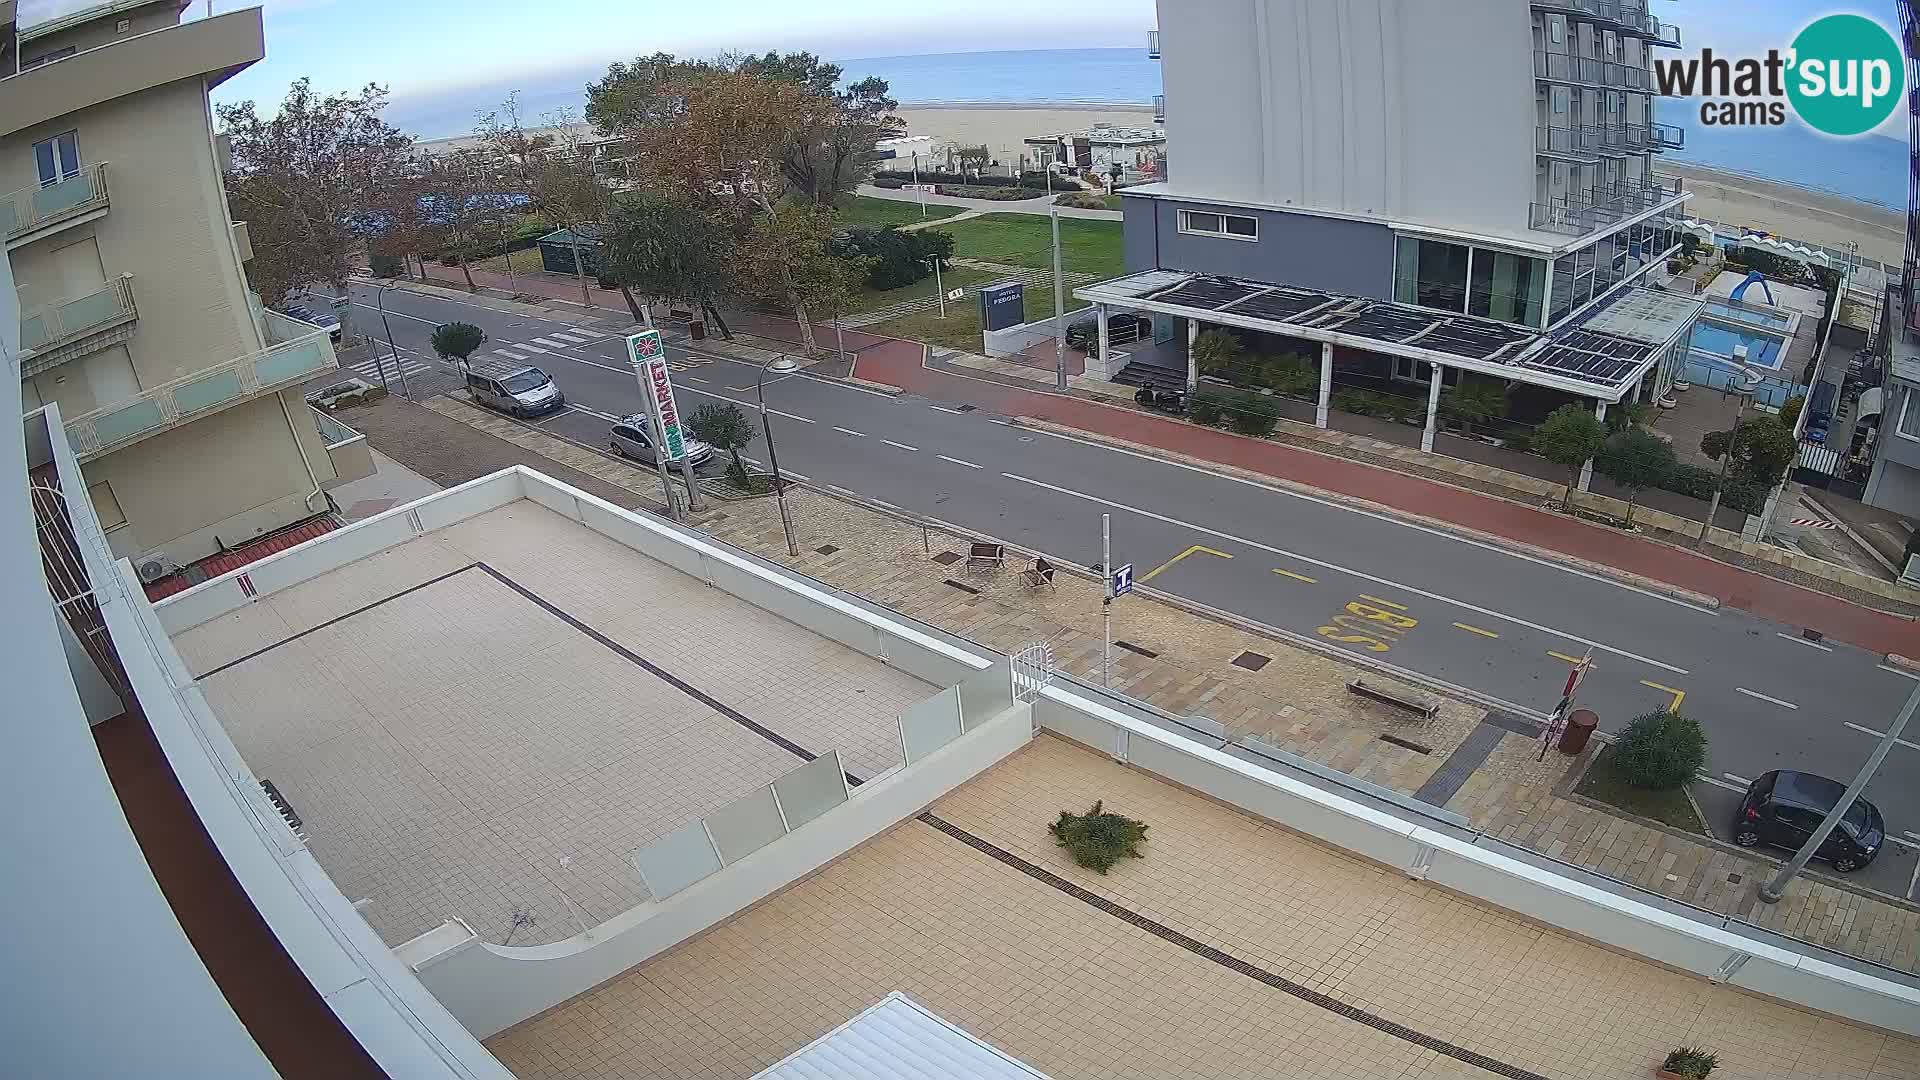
[{"x": 1298, "y": 701}]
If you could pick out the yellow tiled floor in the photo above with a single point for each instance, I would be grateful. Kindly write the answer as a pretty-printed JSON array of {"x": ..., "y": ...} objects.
[
  {"x": 448, "y": 749},
  {"x": 1077, "y": 992}
]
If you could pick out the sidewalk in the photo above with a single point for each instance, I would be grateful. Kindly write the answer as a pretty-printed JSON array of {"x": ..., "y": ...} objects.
[
  {"x": 1297, "y": 700},
  {"x": 1042, "y": 206}
]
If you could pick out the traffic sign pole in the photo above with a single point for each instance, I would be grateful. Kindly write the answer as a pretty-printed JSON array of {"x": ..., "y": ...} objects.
[{"x": 1106, "y": 602}]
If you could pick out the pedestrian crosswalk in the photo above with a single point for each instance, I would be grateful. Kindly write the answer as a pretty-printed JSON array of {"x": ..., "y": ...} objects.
[{"x": 376, "y": 369}]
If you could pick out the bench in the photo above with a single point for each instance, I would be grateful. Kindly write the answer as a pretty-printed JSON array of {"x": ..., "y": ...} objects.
[
  {"x": 984, "y": 556},
  {"x": 680, "y": 314},
  {"x": 1399, "y": 699},
  {"x": 1040, "y": 574}
]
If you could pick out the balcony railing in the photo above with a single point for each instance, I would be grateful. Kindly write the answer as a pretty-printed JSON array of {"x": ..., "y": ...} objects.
[
  {"x": 1564, "y": 141},
  {"x": 1153, "y": 44},
  {"x": 185, "y": 399},
  {"x": 281, "y": 328},
  {"x": 1629, "y": 16},
  {"x": 1667, "y": 136},
  {"x": 1159, "y": 108},
  {"x": 1663, "y": 33},
  {"x": 30, "y": 210},
  {"x": 51, "y": 325},
  {"x": 1576, "y": 215},
  {"x": 1566, "y": 67}
]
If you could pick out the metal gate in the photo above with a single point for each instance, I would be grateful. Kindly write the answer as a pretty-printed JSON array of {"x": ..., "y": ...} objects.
[
  {"x": 1032, "y": 671},
  {"x": 1822, "y": 466}
]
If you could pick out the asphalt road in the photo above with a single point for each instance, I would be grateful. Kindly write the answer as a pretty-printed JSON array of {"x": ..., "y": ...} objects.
[{"x": 1470, "y": 614}]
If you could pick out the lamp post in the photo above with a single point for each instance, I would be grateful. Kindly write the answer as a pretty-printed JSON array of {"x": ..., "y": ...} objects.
[
  {"x": 779, "y": 365},
  {"x": 380, "y": 297}
]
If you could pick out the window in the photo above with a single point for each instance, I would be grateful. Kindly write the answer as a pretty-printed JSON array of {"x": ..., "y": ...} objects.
[
  {"x": 522, "y": 381},
  {"x": 58, "y": 158},
  {"x": 1556, "y": 29},
  {"x": 1559, "y": 100},
  {"x": 48, "y": 58},
  {"x": 105, "y": 506},
  {"x": 1430, "y": 273},
  {"x": 1511, "y": 288},
  {"x": 1910, "y": 414},
  {"x": 1232, "y": 226}
]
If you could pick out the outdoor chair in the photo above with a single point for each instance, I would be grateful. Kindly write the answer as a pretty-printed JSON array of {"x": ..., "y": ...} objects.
[
  {"x": 1039, "y": 575},
  {"x": 984, "y": 556}
]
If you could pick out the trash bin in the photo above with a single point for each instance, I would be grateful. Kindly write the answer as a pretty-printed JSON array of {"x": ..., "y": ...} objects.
[
  {"x": 1580, "y": 725},
  {"x": 698, "y": 329}
]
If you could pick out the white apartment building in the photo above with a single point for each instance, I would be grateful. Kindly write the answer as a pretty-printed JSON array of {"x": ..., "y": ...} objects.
[{"x": 181, "y": 394}]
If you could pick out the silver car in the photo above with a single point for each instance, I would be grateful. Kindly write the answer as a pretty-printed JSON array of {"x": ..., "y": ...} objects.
[
  {"x": 632, "y": 437},
  {"x": 522, "y": 391}
]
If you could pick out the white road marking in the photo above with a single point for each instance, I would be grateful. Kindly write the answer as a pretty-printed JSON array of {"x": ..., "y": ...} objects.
[
  {"x": 900, "y": 445},
  {"x": 1723, "y": 784},
  {"x": 957, "y": 461},
  {"x": 550, "y": 343},
  {"x": 844, "y": 491},
  {"x": 1911, "y": 844},
  {"x": 850, "y": 431},
  {"x": 509, "y": 354},
  {"x": 1008, "y": 423},
  {"x": 608, "y": 417},
  {"x": 1914, "y": 880},
  {"x": 1334, "y": 505},
  {"x": 529, "y": 348},
  {"x": 707, "y": 393},
  {"x": 1910, "y": 832},
  {"x": 571, "y": 335},
  {"x": 1763, "y": 697},
  {"x": 1803, "y": 641},
  {"x": 396, "y": 314},
  {"x": 943, "y": 408},
  {"x": 1898, "y": 671},
  {"x": 1864, "y": 730},
  {"x": 1741, "y": 780},
  {"x": 1489, "y": 612}
]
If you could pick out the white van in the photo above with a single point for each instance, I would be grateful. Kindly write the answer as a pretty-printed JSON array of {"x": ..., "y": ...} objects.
[{"x": 522, "y": 391}]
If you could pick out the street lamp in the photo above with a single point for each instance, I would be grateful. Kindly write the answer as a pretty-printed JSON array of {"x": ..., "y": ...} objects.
[
  {"x": 779, "y": 365},
  {"x": 380, "y": 297}
]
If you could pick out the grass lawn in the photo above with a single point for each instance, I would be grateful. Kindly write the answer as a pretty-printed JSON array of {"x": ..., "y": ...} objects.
[
  {"x": 961, "y": 328},
  {"x": 1667, "y": 807},
  {"x": 855, "y": 210},
  {"x": 1089, "y": 247}
]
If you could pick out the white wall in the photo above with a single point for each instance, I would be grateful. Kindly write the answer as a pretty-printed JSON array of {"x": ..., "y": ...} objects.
[
  {"x": 492, "y": 987},
  {"x": 1408, "y": 110},
  {"x": 1522, "y": 888}
]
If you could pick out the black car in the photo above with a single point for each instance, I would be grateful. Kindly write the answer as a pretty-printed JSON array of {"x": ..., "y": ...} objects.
[{"x": 1783, "y": 808}]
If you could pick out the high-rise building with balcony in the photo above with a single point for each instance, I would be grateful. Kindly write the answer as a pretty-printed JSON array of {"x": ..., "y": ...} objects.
[{"x": 135, "y": 317}]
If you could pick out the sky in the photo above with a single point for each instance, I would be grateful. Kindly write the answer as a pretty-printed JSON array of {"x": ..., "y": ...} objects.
[{"x": 434, "y": 55}]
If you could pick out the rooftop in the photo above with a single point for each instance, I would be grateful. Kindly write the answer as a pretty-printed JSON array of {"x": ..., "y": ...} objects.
[{"x": 487, "y": 721}]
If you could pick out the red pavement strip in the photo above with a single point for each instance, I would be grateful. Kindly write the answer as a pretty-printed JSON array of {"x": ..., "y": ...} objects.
[{"x": 901, "y": 364}]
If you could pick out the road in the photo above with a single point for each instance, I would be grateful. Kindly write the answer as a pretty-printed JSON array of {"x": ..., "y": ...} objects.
[{"x": 1471, "y": 614}]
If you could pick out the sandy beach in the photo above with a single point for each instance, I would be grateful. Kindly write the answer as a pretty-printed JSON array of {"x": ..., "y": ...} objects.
[{"x": 1814, "y": 217}]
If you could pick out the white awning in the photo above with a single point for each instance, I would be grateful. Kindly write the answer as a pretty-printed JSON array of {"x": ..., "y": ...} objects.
[{"x": 897, "y": 1039}]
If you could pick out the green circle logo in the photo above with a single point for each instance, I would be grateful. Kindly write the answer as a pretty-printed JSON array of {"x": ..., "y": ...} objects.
[{"x": 1846, "y": 75}]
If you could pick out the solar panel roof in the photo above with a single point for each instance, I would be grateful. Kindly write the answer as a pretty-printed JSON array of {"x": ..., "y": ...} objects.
[{"x": 1591, "y": 356}]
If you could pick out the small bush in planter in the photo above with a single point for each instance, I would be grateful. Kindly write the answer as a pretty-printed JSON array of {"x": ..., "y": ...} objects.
[
  {"x": 1690, "y": 1063},
  {"x": 1253, "y": 417},
  {"x": 1660, "y": 751},
  {"x": 1098, "y": 839},
  {"x": 1207, "y": 406}
]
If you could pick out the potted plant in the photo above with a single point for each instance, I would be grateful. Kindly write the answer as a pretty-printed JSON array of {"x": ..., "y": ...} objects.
[{"x": 1688, "y": 1063}]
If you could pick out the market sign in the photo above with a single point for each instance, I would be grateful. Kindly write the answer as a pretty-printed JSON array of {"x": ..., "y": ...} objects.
[{"x": 649, "y": 358}]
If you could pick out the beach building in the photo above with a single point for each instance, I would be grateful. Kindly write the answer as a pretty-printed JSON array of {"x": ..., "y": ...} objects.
[
  {"x": 1093, "y": 152},
  {"x": 1409, "y": 236},
  {"x": 179, "y": 393}
]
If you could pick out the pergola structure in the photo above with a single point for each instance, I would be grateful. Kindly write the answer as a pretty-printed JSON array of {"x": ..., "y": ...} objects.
[{"x": 1604, "y": 355}]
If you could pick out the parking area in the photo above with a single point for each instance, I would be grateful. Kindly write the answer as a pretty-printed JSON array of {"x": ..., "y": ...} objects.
[{"x": 487, "y": 721}]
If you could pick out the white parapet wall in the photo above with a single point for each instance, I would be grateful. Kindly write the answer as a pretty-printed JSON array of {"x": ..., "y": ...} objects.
[
  {"x": 492, "y": 987},
  {"x": 1597, "y": 914}
]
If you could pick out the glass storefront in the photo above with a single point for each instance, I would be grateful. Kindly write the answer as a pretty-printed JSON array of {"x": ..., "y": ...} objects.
[
  {"x": 1477, "y": 281},
  {"x": 1430, "y": 273},
  {"x": 1510, "y": 288}
]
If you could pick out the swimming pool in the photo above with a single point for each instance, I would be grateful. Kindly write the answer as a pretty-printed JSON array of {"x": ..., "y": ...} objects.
[
  {"x": 1749, "y": 315},
  {"x": 1763, "y": 350}
]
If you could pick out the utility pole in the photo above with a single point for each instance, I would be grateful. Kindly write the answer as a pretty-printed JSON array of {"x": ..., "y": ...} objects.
[
  {"x": 917, "y": 189},
  {"x": 1773, "y": 890},
  {"x": 1059, "y": 308},
  {"x": 1745, "y": 386},
  {"x": 405, "y": 391},
  {"x": 1106, "y": 601},
  {"x": 938, "y": 287}
]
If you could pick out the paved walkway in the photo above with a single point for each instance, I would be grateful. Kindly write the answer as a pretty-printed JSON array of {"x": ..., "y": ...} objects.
[
  {"x": 1765, "y": 596},
  {"x": 1297, "y": 701},
  {"x": 1043, "y": 205}
]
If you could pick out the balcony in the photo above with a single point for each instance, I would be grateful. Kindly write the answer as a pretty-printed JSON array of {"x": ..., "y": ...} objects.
[
  {"x": 1565, "y": 142},
  {"x": 1663, "y": 33},
  {"x": 202, "y": 393},
  {"x": 70, "y": 327},
  {"x": 1159, "y": 108},
  {"x": 1153, "y": 44},
  {"x": 1568, "y": 68},
  {"x": 347, "y": 450},
  {"x": 1667, "y": 136},
  {"x": 31, "y": 213},
  {"x": 1626, "y": 16},
  {"x": 1579, "y": 214}
]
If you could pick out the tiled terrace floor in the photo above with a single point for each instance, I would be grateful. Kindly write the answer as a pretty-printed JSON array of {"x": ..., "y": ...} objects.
[
  {"x": 1077, "y": 992},
  {"x": 449, "y": 747}
]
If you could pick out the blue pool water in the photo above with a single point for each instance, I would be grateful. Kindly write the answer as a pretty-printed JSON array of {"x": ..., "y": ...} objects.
[
  {"x": 1765, "y": 318},
  {"x": 1763, "y": 351}
]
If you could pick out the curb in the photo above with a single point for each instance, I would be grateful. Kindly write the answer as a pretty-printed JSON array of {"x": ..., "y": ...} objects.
[
  {"x": 1698, "y": 599},
  {"x": 1904, "y": 664},
  {"x": 877, "y": 387}
]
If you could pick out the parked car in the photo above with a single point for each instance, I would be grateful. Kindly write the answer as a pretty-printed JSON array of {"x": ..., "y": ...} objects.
[
  {"x": 522, "y": 391},
  {"x": 325, "y": 320},
  {"x": 1783, "y": 808},
  {"x": 632, "y": 437}
]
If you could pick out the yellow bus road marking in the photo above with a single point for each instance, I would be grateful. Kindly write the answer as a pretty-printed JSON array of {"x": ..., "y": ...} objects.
[
  {"x": 1165, "y": 566},
  {"x": 1563, "y": 656},
  {"x": 1476, "y": 630},
  {"x": 1383, "y": 603},
  {"x": 1296, "y": 577},
  {"x": 1678, "y": 695}
]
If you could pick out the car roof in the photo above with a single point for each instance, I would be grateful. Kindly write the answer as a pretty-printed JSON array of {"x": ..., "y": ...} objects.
[
  {"x": 494, "y": 369},
  {"x": 1808, "y": 789}
]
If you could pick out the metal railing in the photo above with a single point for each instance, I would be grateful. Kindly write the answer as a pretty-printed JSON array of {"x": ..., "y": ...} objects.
[
  {"x": 1663, "y": 33},
  {"x": 37, "y": 207},
  {"x": 1576, "y": 215},
  {"x": 332, "y": 432},
  {"x": 105, "y": 430},
  {"x": 1159, "y": 108},
  {"x": 1667, "y": 136},
  {"x": 1153, "y": 44},
  {"x": 54, "y": 324},
  {"x": 281, "y": 328},
  {"x": 1566, "y": 67},
  {"x": 1571, "y": 141}
]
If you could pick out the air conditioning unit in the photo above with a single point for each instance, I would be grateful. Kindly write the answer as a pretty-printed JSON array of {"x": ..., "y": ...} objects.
[{"x": 154, "y": 567}]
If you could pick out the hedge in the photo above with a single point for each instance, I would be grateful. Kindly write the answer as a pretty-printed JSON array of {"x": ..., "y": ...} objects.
[
  {"x": 1688, "y": 479},
  {"x": 997, "y": 194},
  {"x": 889, "y": 183},
  {"x": 928, "y": 176}
]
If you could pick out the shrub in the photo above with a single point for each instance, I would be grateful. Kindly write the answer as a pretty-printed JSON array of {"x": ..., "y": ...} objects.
[
  {"x": 1691, "y": 1062},
  {"x": 1660, "y": 751},
  {"x": 1636, "y": 459},
  {"x": 1207, "y": 405},
  {"x": 449, "y": 258},
  {"x": 1085, "y": 200},
  {"x": 1288, "y": 374},
  {"x": 897, "y": 259},
  {"x": 1474, "y": 401},
  {"x": 1357, "y": 402},
  {"x": 995, "y": 194},
  {"x": 931, "y": 176},
  {"x": 1570, "y": 436},
  {"x": 888, "y": 183},
  {"x": 1255, "y": 422},
  {"x": 1520, "y": 442},
  {"x": 1218, "y": 353},
  {"x": 1097, "y": 839}
]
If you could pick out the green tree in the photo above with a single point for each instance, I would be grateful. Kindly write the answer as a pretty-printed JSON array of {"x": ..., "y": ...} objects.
[
  {"x": 723, "y": 427},
  {"x": 1636, "y": 459},
  {"x": 456, "y": 340},
  {"x": 674, "y": 249},
  {"x": 1763, "y": 449},
  {"x": 553, "y": 167},
  {"x": 1569, "y": 437},
  {"x": 1660, "y": 751}
]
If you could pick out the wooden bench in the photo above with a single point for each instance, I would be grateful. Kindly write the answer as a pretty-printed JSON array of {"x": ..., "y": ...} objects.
[{"x": 1399, "y": 699}]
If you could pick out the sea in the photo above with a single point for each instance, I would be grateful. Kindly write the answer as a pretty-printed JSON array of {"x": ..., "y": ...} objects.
[{"x": 1871, "y": 168}]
